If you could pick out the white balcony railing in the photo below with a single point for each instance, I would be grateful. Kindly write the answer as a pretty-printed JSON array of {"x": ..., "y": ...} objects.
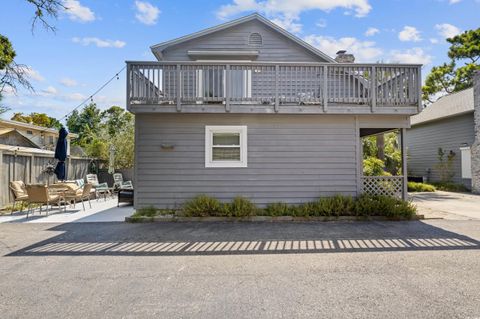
[{"x": 276, "y": 84}]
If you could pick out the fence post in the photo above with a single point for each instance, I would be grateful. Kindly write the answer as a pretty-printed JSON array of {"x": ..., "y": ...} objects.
[{"x": 30, "y": 178}]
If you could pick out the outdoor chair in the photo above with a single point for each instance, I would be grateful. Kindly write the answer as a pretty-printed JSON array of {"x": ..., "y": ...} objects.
[
  {"x": 19, "y": 194},
  {"x": 80, "y": 196},
  {"x": 118, "y": 182},
  {"x": 38, "y": 194},
  {"x": 100, "y": 188}
]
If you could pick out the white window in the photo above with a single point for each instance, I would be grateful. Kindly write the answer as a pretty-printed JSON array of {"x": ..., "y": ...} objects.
[
  {"x": 225, "y": 146},
  {"x": 466, "y": 162}
]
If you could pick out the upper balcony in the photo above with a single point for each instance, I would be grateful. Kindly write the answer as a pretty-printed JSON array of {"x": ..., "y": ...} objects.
[{"x": 263, "y": 87}]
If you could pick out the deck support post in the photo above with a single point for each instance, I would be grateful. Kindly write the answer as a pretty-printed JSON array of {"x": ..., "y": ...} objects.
[
  {"x": 277, "y": 98},
  {"x": 227, "y": 87},
  {"x": 373, "y": 89},
  {"x": 178, "y": 88},
  {"x": 325, "y": 88},
  {"x": 403, "y": 137},
  {"x": 419, "y": 79}
]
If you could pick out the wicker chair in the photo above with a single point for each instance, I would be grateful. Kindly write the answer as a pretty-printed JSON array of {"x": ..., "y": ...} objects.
[
  {"x": 38, "y": 194},
  {"x": 19, "y": 194},
  {"x": 80, "y": 196}
]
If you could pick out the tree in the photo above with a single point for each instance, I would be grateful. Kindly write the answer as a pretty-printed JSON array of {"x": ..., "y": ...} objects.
[
  {"x": 11, "y": 73},
  {"x": 87, "y": 123},
  {"x": 45, "y": 9},
  {"x": 116, "y": 119},
  {"x": 40, "y": 119},
  {"x": 457, "y": 74}
]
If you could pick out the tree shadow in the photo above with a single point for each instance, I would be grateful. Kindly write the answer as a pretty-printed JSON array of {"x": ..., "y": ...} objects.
[{"x": 217, "y": 238}]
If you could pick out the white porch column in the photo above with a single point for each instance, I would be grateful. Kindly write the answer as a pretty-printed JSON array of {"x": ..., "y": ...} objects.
[{"x": 403, "y": 137}]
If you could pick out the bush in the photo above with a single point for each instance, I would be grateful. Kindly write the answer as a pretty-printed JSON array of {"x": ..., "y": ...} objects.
[
  {"x": 148, "y": 211},
  {"x": 451, "y": 187},
  {"x": 278, "y": 209},
  {"x": 203, "y": 206},
  {"x": 420, "y": 187},
  {"x": 367, "y": 205},
  {"x": 240, "y": 207}
]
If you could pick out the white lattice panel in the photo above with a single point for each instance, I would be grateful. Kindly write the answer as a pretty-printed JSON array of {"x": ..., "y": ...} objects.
[{"x": 383, "y": 185}]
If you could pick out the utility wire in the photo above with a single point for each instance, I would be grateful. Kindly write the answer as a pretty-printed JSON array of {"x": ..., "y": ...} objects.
[{"x": 92, "y": 95}]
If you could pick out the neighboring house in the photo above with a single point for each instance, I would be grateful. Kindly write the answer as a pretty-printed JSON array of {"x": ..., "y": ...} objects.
[
  {"x": 40, "y": 137},
  {"x": 447, "y": 124},
  {"x": 246, "y": 108}
]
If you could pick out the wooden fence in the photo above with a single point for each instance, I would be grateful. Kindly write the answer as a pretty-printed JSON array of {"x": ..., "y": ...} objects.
[{"x": 30, "y": 168}]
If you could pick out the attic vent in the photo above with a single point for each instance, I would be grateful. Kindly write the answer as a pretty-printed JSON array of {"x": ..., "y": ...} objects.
[{"x": 255, "y": 39}]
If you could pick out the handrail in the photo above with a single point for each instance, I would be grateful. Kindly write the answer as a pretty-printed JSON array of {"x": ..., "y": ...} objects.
[{"x": 274, "y": 83}]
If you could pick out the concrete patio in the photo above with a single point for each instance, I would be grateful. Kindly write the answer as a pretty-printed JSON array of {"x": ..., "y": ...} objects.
[
  {"x": 447, "y": 205},
  {"x": 101, "y": 211}
]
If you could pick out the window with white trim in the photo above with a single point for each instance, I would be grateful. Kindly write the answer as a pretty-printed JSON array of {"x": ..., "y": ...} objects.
[{"x": 225, "y": 146}]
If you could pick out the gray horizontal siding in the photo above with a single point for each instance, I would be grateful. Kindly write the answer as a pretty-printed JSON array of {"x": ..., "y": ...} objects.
[
  {"x": 276, "y": 47},
  {"x": 290, "y": 159},
  {"x": 423, "y": 141}
]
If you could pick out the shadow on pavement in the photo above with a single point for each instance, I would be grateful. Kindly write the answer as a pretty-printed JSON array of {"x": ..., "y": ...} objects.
[{"x": 216, "y": 238}]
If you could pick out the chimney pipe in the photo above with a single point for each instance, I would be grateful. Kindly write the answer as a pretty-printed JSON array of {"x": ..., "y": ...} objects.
[{"x": 344, "y": 57}]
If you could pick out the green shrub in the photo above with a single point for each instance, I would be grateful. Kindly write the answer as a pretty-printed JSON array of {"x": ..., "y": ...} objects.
[
  {"x": 335, "y": 206},
  {"x": 450, "y": 187},
  {"x": 278, "y": 209},
  {"x": 420, "y": 187},
  {"x": 203, "y": 206},
  {"x": 148, "y": 211},
  {"x": 240, "y": 207},
  {"x": 367, "y": 205}
]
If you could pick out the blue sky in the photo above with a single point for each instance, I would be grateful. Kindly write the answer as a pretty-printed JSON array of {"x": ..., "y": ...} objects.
[{"x": 94, "y": 38}]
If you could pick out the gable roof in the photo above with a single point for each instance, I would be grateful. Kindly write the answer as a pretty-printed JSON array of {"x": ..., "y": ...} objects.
[
  {"x": 447, "y": 106},
  {"x": 16, "y": 124},
  {"x": 158, "y": 48},
  {"x": 26, "y": 141}
]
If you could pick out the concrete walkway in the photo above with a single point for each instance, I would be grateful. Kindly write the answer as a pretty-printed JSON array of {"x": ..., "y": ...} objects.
[
  {"x": 448, "y": 205},
  {"x": 101, "y": 211}
]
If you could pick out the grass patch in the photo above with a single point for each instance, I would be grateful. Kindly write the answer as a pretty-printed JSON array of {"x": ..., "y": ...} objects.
[
  {"x": 451, "y": 187},
  {"x": 336, "y": 206},
  {"x": 420, "y": 187}
]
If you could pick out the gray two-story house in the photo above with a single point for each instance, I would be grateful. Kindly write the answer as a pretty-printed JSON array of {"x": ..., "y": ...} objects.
[{"x": 246, "y": 108}]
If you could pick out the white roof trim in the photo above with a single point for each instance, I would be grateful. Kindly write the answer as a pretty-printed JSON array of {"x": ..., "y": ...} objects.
[
  {"x": 157, "y": 48},
  {"x": 450, "y": 105}
]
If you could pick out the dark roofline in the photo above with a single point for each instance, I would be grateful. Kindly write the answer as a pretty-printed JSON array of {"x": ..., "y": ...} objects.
[{"x": 157, "y": 48}]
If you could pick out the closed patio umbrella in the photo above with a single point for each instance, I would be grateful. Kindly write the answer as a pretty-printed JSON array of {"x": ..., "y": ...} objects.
[
  {"x": 61, "y": 154},
  {"x": 111, "y": 160}
]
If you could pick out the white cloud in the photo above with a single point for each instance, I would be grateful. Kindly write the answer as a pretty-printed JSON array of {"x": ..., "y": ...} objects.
[
  {"x": 146, "y": 12},
  {"x": 32, "y": 74},
  {"x": 74, "y": 97},
  {"x": 454, "y": 1},
  {"x": 288, "y": 24},
  {"x": 77, "y": 12},
  {"x": 409, "y": 33},
  {"x": 447, "y": 30},
  {"x": 371, "y": 31},
  {"x": 287, "y": 12},
  {"x": 364, "y": 51},
  {"x": 99, "y": 42},
  {"x": 410, "y": 56},
  {"x": 322, "y": 23},
  {"x": 68, "y": 82},
  {"x": 49, "y": 91},
  {"x": 433, "y": 40}
]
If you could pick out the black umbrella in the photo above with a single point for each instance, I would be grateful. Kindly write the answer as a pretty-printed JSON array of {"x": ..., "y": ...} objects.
[{"x": 61, "y": 154}]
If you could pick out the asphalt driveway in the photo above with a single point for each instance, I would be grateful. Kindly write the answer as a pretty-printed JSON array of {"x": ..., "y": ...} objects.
[
  {"x": 448, "y": 205},
  {"x": 234, "y": 270}
]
